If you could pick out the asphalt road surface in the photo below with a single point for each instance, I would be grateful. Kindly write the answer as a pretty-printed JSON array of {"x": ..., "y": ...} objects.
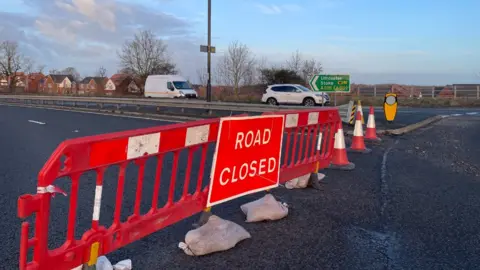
[
  {"x": 410, "y": 204},
  {"x": 408, "y": 116}
]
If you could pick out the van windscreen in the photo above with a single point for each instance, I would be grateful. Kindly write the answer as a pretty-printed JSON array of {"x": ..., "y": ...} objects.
[{"x": 182, "y": 85}]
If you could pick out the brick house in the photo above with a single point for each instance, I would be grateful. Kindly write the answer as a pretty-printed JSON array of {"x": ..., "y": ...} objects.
[
  {"x": 60, "y": 84},
  {"x": 35, "y": 82},
  {"x": 123, "y": 84},
  {"x": 92, "y": 85}
]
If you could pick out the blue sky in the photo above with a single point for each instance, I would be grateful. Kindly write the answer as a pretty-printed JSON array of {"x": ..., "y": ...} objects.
[{"x": 372, "y": 40}]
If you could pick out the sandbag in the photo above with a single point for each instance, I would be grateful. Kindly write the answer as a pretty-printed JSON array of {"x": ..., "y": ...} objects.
[
  {"x": 104, "y": 264},
  {"x": 123, "y": 265},
  {"x": 215, "y": 235},
  {"x": 302, "y": 181},
  {"x": 265, "y": 208},
  {"x": 298, "y": 182}
]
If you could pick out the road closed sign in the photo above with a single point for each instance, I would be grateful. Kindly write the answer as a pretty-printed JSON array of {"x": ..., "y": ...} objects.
[{"x": 247, "y": 157}]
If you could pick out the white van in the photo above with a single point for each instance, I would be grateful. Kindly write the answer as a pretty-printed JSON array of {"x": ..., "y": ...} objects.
[{"x": 168, "y": 86}]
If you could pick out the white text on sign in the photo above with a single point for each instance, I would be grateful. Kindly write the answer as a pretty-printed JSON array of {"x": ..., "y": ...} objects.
[
  {"x": 252, "y": 138},
  {"x": 255, "y": 167}
]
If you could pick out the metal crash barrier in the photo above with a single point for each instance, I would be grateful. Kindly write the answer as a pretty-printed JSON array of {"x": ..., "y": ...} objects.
[{"x": 308, "y": 138}]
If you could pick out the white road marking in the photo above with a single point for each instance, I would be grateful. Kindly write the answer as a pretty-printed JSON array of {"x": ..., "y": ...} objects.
[
  {"x": 456, "y": 114},
  {"x": 472, "y": 113},
  {"x": 97, "y": 113},
  {"x": 36, "y": 122}
]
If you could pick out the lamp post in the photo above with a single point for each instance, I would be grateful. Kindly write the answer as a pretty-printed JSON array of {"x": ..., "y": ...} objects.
[{"x": 209, "y": 52}]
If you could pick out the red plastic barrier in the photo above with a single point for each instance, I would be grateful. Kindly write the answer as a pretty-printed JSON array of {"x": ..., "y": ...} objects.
[
  {"x": 74, "y": 157},
  {"x": 97, "y": 153},
  {"x": 307, "y": 131}
]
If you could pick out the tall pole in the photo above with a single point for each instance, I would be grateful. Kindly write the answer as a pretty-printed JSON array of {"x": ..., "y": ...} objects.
[{"x": 209, "y": 85}]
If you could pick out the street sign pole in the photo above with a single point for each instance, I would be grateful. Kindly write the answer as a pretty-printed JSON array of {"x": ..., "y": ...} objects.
[
  {"x": 209, "y": 53},
  {"x": 209, "y": 49}
]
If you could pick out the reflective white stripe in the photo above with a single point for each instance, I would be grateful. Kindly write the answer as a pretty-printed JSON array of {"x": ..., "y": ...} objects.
[
  {"x": 371, "y": 121},
  {"x": 358, "y": 130},
  {"x": 292, "y": 120},
  {"x": 197, "y": 135},
  {"x": 359, "y": 109},
  {"x": 80, "y": 267},
  {"x": 49, "y": 189},
  {"x": 313, "y": 118},
  {"x": 143, "y": 144},
  {"x": 97, "y": 203},
  {"x": 339, "y": 140},
  {"x": 319, "y": 143}
]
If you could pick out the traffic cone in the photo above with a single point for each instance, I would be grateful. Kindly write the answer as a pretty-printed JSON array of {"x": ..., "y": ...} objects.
[
  {"x": 371, "y": 132},
  {"x": 358, "y": 143},
  {"x": 339, "y": 156},
  {"x": 360, "y": 109}
]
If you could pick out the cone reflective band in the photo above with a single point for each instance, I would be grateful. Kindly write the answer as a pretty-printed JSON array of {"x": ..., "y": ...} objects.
[
  {"x": 390, "y": 106},
  {"x": 371, "y": 132}
]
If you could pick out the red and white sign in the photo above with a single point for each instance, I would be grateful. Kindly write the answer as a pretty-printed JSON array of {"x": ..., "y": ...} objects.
[{"x": 247, "y": 157}]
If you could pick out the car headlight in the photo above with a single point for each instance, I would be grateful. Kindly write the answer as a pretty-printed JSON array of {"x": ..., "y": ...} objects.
[{"x": 181, "y": 93}]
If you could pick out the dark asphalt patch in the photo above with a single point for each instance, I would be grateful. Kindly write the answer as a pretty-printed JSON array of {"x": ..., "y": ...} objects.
[{"x": 434, "y": 192}]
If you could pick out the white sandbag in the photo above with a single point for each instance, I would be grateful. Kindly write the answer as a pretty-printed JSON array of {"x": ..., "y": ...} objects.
[
  {"x": 302, "y": 181},
  {"x": 103, "y": 264},
  {"x": 266, "y": 208},
  {"x": 123, "y": 265},
  {"x": 215, "y": 235},
  {"x": 299, "y": 182}
]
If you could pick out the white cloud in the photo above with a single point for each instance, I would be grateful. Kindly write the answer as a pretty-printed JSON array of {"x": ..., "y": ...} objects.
[
  {"x": 101, "y": 13},
  {"x": 59, "y": 34}
]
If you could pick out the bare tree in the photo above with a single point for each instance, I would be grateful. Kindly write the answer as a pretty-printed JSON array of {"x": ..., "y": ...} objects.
[
  {"x": 235, "y": 67},
  {"x": 11, "y": 62},
  {"x": 53, "y": 71},
  {"x": 262, "y": 64},
  {"x": 101, "y": 72},
  {"x": 72, "y": 72},
  {"x": 28, "y": 64},
  {"x": 310, "y": 68},
  {"x": 146, "y": 55},
  {"x": 40, "y": 68},
  {"x": 202, "y": 76},
  {"x": 295, "y": 62}
]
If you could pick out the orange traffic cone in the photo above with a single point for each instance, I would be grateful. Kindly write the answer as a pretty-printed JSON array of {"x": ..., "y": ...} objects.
[
  {"x": 358, "y": 143},
  {"x": 340, "y": 159},
  {"x": 371, "y": 132}
]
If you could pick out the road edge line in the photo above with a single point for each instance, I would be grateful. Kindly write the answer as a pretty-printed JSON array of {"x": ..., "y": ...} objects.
[{"x": 114, "y": 113}]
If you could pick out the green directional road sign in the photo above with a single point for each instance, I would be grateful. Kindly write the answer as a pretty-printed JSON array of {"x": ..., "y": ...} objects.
[{"x": 330, "y": 83}]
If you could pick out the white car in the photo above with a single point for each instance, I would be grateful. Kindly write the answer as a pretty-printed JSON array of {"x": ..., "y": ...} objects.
[{"x": 293, "y": 94}]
